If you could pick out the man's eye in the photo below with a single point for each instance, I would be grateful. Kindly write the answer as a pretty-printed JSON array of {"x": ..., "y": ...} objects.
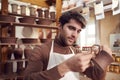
[
  {"x": 71, "y": 27},
  {"x": 78, "y": 31}
]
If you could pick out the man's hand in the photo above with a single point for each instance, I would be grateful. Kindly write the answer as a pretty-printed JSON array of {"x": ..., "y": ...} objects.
[{"x": 78, "y": 63}]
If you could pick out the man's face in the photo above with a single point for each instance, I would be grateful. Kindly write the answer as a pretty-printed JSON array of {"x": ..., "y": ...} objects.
[{"x": 69, "y": 32}]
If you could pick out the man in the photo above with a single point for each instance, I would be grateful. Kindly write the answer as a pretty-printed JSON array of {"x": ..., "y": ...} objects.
[{"x": 59, "y": 60}]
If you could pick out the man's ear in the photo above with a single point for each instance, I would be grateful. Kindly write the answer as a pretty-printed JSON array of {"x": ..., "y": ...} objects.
[{"x": 59, "y": 26}]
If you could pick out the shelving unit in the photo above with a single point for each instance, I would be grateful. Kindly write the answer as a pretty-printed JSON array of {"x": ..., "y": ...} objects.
[
  {"x": 4, "y": 11},
  {"x": 27, "y": 25}
]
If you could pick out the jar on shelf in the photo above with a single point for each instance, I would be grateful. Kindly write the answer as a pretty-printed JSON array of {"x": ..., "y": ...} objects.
[
  {"x": 27, "y": 51},
  {"x": 20, "y": 67},
  {"x": 8, "y": 68},
  {"x": 32, "y": 11},
  {"x": 65, "y": 5},
  {"x": 72, "y": 3},
  {"x": 116, "y": 69},
  {"x": 9, "y": 52},
  {"x": 23, "y": 9},
  {"x": 18, "y": 52},
  {"x": 117, "y": 58},
  {"x": 40, "y": 12},
  {"x": 111, "y": 68},
  {"x": 46, "y": 13},
  {"x": 52, "y": 12},
  {"x": 14, "y": 8}
]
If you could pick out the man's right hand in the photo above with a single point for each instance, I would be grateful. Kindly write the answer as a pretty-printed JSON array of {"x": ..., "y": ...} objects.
[{"x": 78, "y": 63}]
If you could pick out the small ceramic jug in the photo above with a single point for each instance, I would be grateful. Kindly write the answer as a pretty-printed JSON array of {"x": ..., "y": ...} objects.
[
  {"x": 40, "y": 13},
  {"x": 32, "y": 11},
  {"x": 18, "y": 52},
  {"x": 23, "y": 9},
  {"x": 14, "y": 8}
]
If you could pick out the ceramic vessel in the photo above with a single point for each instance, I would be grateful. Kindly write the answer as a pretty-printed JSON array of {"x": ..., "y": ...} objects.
[
  {"x": 9, "y": 52},
  {"x": 8, "y": 68},
  {"x": 40, "y": 13},
  {"x": 14, "y": 8},
  {"x": 27, "y": 20},
  {"x": 27, "y": 52},
  {"x": 7, "y": 18},
  {"x": 23, "y": 9},
  {"x": 18, "y": 53},
  {"x": 44, "y": 21},
  {"x": 8, "y": 39},
  {"x": 65, "y": 5},
  {"x": 29, "y": 40},
  {"x": 32, "y": 11},
  {"x": 52, "y": 12},
  {"x": 46, "y": 13},
  {"x": 20, "y": 68}
]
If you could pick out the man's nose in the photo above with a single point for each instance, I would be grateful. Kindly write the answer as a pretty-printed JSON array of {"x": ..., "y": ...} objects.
[{"x": 75, "y": 34}]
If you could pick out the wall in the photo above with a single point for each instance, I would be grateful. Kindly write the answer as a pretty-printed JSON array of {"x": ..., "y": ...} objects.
[{"x": 108, "y": 26}]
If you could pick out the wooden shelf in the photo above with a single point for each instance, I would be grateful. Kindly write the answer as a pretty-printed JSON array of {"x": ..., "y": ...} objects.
[
  {"x": 32, "y": 17},
  {"x": 78, "y": 9},
  {"x": 20, "y": 44},
  {"x": 28, "y": 25}
]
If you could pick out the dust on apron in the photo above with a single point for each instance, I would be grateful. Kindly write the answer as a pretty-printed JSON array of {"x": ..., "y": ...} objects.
[{"x": 56, "y": 58}]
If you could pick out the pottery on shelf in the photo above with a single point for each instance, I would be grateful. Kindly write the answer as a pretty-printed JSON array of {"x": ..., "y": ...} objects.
[
  {"x": 18, "y": 53},
  {"x": 44, "y": 21},
  {"x": 46, "y": 13},
  {"x": 20, "y": 68},
  {"x": 29, "y": 40},
  {"x": 27, "y": 20},
  {"x": 27, "y": 51},
  {"x": 7, "y": 18},
  {"x": 32, "y": 11},
  {"x": 9, "y": 52},
  {"x": 14, "y": 8},
  {"x": 8, "y": 68},
  {"x": 40, "y": 13},
  {"x": 8, "y": 39},
  {"x": 23, "y": 9}
]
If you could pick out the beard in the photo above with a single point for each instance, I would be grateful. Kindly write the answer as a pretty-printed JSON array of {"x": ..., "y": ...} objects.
[{"x": 65, "y": 41}]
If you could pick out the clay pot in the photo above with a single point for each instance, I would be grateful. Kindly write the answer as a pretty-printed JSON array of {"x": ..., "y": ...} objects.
[
  {"x": 7, "y": 18},
  {"x": 65, "y": 5},
  {"x": 8, "y": 68},
  {"x": 27, "y": 52},
  {"x": 23, "y": 9},
  {"x": 20, "y": 68},
  {"x": 49, "y": 34},
  {"x": 32, "y": 11},
  {"x": 8, "y": 39},
  {"x": 14, "y": 8},
  {"x": 40, "y": 13},
  {"x": 29, "y": 40},
  {"x": 44, "y": 40},
  {"x": 52, "y": 12},
  {"x": 46, "y": 13},
  {"x": 52, "y": 15},
  {"x": 44, "y": 21},
  {"x": 27, "y": 20},
  {"x": 9, "y": 52},
  {"x": 18, "y": 52}
]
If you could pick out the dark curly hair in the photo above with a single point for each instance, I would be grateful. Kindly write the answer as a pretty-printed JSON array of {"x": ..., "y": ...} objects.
[{"x": 67, "y": 16}]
